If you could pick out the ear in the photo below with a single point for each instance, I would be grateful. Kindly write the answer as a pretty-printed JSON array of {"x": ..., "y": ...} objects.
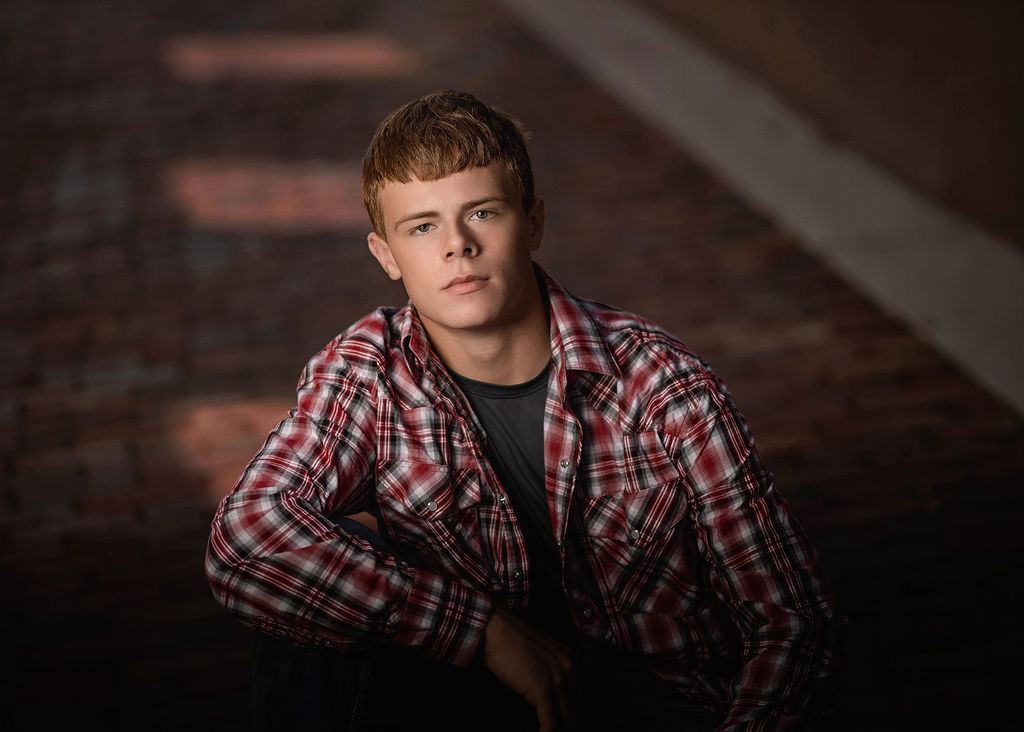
[
  {"x": 381, "y": 251},
  {"x": 535, "y": 217}
]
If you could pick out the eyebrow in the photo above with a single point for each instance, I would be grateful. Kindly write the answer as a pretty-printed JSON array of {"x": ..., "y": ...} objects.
[{"x": 435, "y": 214}]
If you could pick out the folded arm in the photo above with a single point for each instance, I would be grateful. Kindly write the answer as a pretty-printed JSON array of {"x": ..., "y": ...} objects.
[{"x": 278, "y": 563}]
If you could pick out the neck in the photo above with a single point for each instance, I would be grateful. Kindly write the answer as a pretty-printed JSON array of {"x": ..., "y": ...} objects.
[{"x": 508, "y": 355}]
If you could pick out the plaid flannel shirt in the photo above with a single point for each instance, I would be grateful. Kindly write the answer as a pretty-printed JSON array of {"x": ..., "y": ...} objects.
[{"x": 676, "y": 547}]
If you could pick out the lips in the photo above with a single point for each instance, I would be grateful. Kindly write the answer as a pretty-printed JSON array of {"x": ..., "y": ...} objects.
[{"x": 465, "y": 283}]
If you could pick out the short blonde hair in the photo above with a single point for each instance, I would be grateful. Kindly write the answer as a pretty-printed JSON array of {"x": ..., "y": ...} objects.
[{"x": 440, "y": 134}]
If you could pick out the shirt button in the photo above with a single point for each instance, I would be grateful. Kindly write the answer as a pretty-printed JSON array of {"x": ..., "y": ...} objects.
[
  {"x": 431, "y": 506},
  {"x": 501, "y": 499},
  {"x": 635, "y": 533},
  {"x": 517, "y": 575},
  {"x": 587, "y": 613},
  {"x": 564, "y": 462}
]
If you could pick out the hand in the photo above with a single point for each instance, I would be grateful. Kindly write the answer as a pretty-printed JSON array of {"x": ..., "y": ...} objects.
[{"x": 533, "y": 665}]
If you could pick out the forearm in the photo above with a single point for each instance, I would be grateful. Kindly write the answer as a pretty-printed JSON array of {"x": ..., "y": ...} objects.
[{"x": 287, "y": 571}]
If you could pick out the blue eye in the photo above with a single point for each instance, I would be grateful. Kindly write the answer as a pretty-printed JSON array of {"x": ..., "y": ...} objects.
[
  {"x": 422, "y": 228},
  {"x": 482, "y": 215}
]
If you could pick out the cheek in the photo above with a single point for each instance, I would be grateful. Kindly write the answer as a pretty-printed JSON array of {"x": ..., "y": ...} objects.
[
  {"x": 409, "y": 264},
  {"x": 416, "y": 278}
]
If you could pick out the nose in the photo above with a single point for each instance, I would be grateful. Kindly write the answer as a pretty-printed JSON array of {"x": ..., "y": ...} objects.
[{"x": 460, "y": 244}]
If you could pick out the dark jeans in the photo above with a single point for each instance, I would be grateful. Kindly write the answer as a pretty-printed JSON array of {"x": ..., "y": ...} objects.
[
  {"x": 318, "y": 690},
  {"x": 322, "y": 690}
]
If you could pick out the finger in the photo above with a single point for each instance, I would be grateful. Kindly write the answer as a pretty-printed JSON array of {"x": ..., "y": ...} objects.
[
  {"x": 557, "y": 702},
  {"x": 546, "y": 717},
  {"x": 564, "y": 710}
]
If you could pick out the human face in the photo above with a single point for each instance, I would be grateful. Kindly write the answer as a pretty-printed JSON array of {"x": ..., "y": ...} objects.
[{"x": 461, "y": 246}]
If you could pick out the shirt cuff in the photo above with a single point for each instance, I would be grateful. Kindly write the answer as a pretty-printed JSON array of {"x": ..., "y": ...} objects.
[{"x": 442, "y": 617}]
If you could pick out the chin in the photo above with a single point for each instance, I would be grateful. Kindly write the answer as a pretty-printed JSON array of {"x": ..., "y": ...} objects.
[{"x": 464, "y": 315}]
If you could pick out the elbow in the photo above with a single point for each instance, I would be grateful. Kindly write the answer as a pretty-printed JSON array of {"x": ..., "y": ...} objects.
[{"x": 222, "y": 564}]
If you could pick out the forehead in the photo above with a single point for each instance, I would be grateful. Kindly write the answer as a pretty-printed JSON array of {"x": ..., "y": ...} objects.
[{"x": 398, "y": 200}]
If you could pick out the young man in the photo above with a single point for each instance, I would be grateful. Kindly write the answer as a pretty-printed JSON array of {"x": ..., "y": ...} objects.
[{"x": 572, "y": 524}]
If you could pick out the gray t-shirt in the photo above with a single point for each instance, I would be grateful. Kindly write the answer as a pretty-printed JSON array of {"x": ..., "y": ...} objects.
[{"x": 513, "y": 419}]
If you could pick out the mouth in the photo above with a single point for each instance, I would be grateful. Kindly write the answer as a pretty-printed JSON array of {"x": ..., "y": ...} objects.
[{"x": 465, "y": 283}]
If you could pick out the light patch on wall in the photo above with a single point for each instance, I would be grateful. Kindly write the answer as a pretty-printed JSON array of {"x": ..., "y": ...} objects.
[
  {"x": 344, "y": 56},
  {"x": 267, "y": 196},
  {"x": 217, "y": 439}
]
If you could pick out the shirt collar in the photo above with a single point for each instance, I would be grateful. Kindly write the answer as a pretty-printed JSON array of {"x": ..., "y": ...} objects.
[
  {"x": 575, "y": 335},
  {"x": 415, "y": 342}
]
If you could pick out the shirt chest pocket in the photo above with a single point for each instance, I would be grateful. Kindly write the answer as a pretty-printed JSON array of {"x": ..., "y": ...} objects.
[
  {"x": 433, "y": 514},
  {"x": 645, "y": 499},
  {"x": 636, "y": 519},
  {"x": 638, "y": 547},
  {"x": 637, "y": 535}
]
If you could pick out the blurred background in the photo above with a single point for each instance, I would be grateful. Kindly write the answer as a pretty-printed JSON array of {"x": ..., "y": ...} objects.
[{"x": 181, "y": 229}]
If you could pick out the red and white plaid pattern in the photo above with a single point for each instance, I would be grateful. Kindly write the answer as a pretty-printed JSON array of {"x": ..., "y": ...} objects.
[{"x": 676, "y": 545}]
